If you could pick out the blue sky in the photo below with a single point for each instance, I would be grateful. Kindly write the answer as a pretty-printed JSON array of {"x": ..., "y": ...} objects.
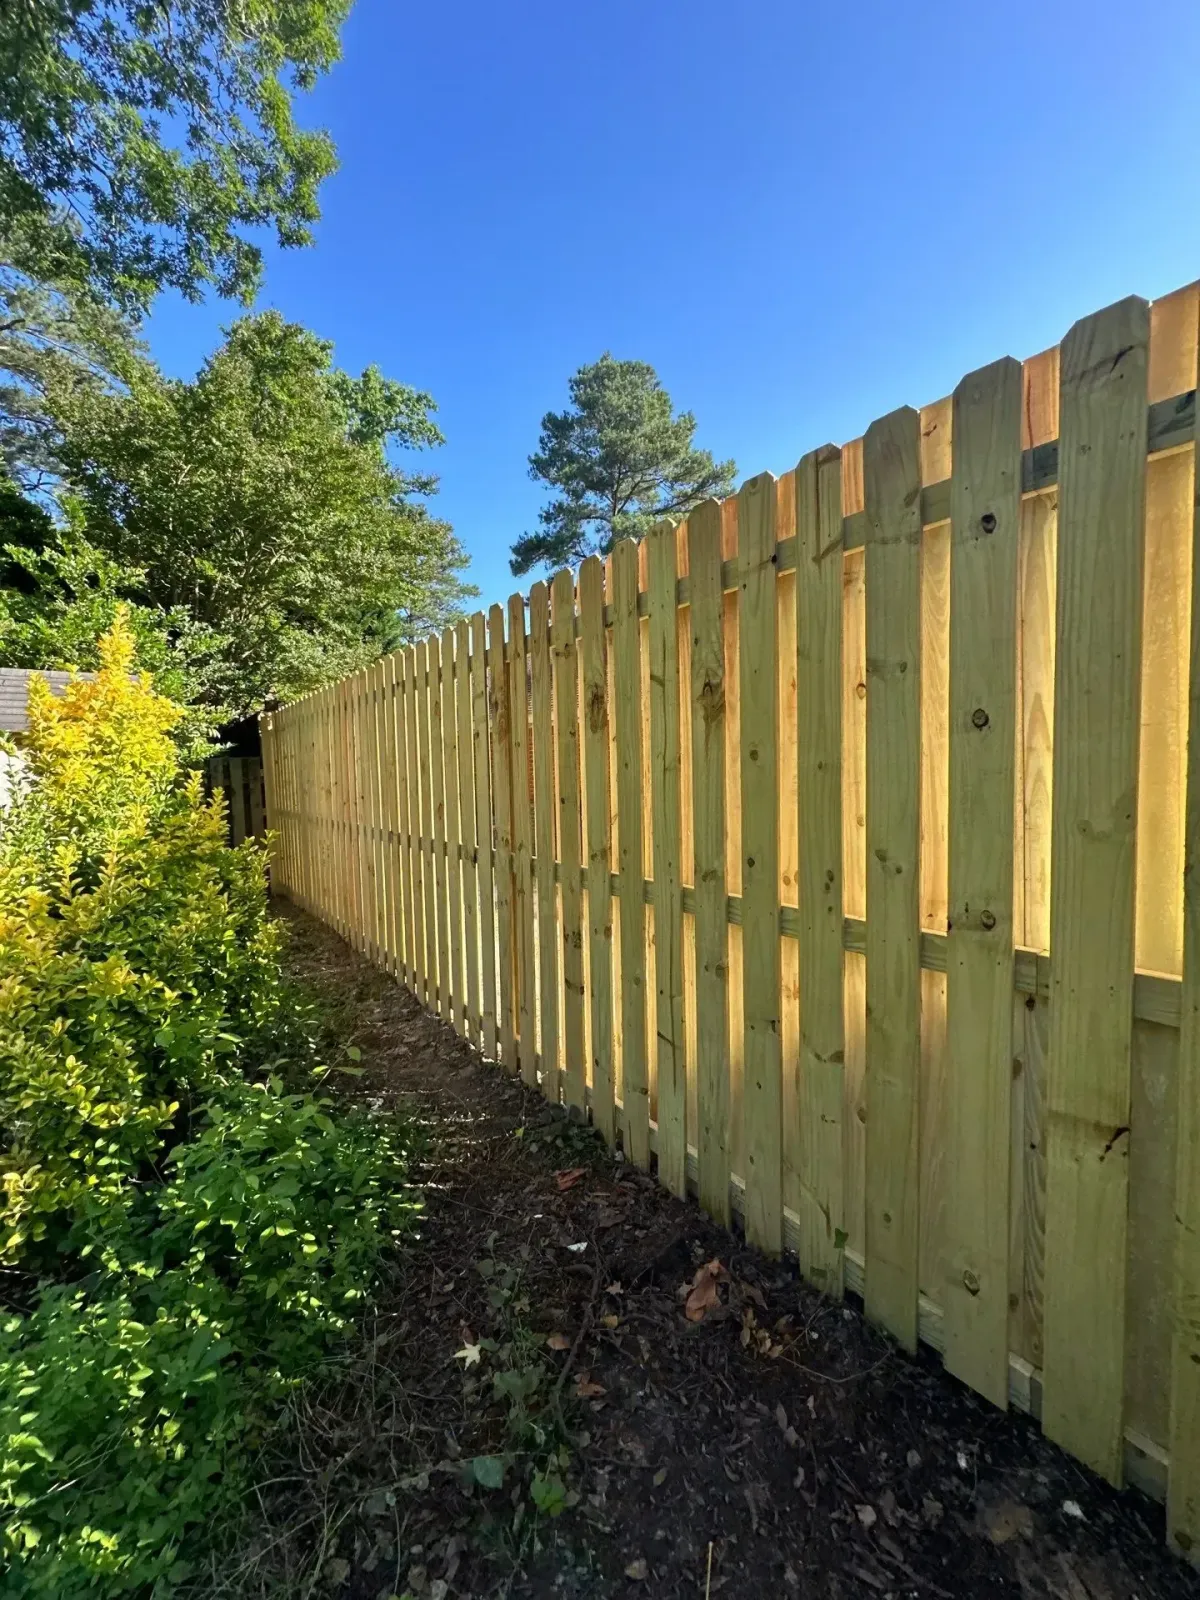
[{"x": 801, "y": 215}]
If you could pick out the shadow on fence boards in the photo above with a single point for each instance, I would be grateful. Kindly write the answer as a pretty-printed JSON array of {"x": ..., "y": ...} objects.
[{"x": 829, "y": 850}]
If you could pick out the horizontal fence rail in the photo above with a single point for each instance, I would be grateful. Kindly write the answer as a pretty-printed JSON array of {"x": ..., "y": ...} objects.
[{"x": 833, "y": 851}]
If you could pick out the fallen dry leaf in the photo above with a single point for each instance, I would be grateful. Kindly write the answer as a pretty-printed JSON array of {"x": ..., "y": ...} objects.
[
  {"x": 559, "y": 1341},
  {"x": 703, "y": 1294},
  {"x": 1007, "y": 1519},
  {"x": 568, "y": 1178},
  {"x": 637, "y": 1569},
  {"x": 866, "y": 1515},
  {"x": 586, "y": 1389}
]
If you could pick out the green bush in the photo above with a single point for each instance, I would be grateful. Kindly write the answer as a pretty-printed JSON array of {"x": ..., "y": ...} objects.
[
  {"x": 128, "y": 1403},
  {"x": 135, "y": 953},
  {"x": 190, "y": 1235}
]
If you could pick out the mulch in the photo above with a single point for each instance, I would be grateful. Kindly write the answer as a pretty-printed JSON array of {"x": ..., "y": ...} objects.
[{"x": 770, "y": 1444}]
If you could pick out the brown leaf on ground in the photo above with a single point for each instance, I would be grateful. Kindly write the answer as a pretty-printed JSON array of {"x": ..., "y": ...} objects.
[
  {"x": 1005, "y": 1520},
  {"x": 559, "y": 1341},
  {"x": 703, "y": 1296},
  {"x": 586, "y": 1389},
  {"x": 568, "y": 1178}
]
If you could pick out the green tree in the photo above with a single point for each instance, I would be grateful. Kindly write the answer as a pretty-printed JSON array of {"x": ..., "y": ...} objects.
[
  {"x": 261, "y": 499},
  {"x": 619, "y": 461},
  {"x": 26, "y": 529},
  {"x": 59, "y": 596},
  {"x": 139, "y": 142},
  {"x": 51, "y": 335}
]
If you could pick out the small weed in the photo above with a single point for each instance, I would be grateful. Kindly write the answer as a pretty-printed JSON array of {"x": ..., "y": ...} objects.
[{"x": 534, "y": 1447}]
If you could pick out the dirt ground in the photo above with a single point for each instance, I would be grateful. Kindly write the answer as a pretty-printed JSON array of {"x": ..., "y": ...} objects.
[{"x": 771, "y": 1444}]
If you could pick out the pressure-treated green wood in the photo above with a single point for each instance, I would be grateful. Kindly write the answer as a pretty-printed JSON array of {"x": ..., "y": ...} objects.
[
  {"x": 404, "y": 951},
  {"x": 985, "y": 532},
  {"x": 671, "y": 1076},
  {"x": 346, "y": 797},
  {"x": 1183, "y": 1483},
  {"x": 337, "y": 761},
  {"x": 762, "y": 1089},
  {"x": 370, "y": 785},
  {"x": 484, "y": 840},
  {"x": 362, "y": 820},
  {"x": 358, "y": 835},
  {"x": 419, "y": 980},
  {"x": 1102, "y": 478},
  {"x": 892, "y": 481},
  {"x": 708, "y": 831},
  {"x": 566, "y": 716},
  {"x": 388, "y": 772},
  {"x": 374, "y": 711},
  {"x": 368, "y": 897},
  {"x": 522, "y": 837},
  {"x": 429, "y": 826},
  {"x": 627, "y": 677},
  {"x": 369, "y": 757},
  {"x": 502, "y": 777},
  {"x": 819, "y": 803},
  {"x": 349, "y": 815},
  {"x": 466, "y": 810},
  {"x": 593, "y": 661},
  {"x": 453, "y": 834},
  {"x": 441, "y": 864},
  {"x": 544, "y": 816}
]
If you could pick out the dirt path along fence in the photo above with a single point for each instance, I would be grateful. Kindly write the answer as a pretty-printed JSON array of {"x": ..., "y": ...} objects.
[{"x": 829, "y": 851}]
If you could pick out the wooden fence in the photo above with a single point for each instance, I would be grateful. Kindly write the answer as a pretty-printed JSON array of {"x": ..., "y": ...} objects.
[
  {"x": 742, "y": 840},
  {"x": 240, "y": 779}
]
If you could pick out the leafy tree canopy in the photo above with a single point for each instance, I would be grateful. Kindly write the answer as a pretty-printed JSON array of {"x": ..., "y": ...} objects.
[
  {"x": 59, "y": 596},
  {"x": 618, "y": 461},
  {"x": 51, "y": 335},
  {"x": 140, "y": 140},
  {"x": 261, "y": 498}
]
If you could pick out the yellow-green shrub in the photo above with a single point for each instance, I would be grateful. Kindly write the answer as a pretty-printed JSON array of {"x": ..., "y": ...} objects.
[
  {"x": 135, "y": 952},
  {"x": 190, "y": 1235}
]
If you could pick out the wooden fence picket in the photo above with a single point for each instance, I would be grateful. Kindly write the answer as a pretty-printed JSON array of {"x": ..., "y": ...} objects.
[
  {"x": 599, "y": 838},
  {"x": 545, "y": 809},
  {"x": 985, "y": 531},
  {"x": 416, "y": 860},
  {"x": 762, "y": 1093},
  {"x": 1102, "y": 481},
  {"x": 708, "y": 701},
  {"x": 522, "y": 839},
  {"x": 453, "y": 836},
  {"x": 822, "y": 1231},
  {"x": 891, "y": 465},
  {"x": 466, "y": 809},
  {"x": 426, "y": 829},
  {"x": 484, "y": 833},
  {"x": 566, "y": 717},
  {"x": 627, "y": 672},
  {"x": 441, "y": 859},
  {"x": 402, "y": 859},
  {"x": 502, "y": 786},
  {"x": 666, "y": 812},
  {"x": 1183, "y": 1496}
]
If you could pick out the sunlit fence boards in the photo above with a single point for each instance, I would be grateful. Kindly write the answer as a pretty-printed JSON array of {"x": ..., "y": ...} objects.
[{"x": 828, "y": 850}]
